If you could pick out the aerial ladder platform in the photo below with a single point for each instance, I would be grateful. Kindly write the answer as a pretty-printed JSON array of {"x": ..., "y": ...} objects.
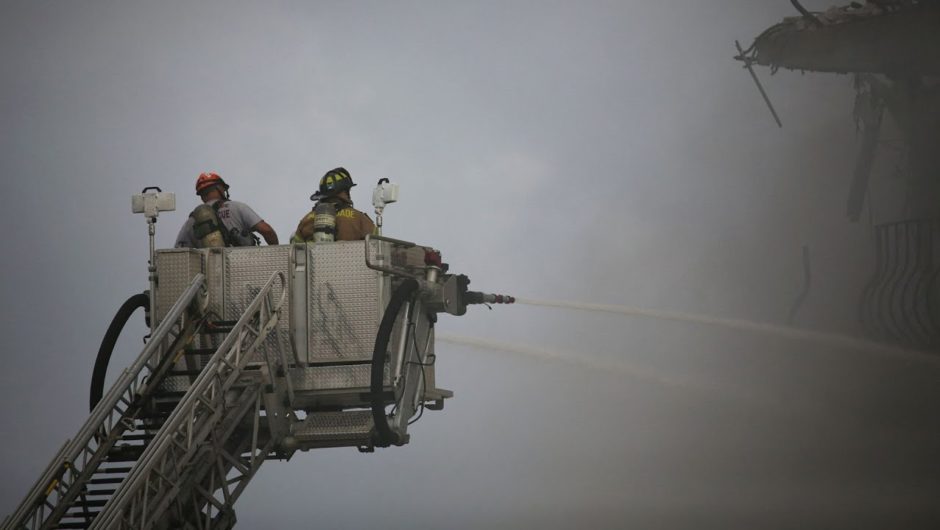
[{"x": 254, "y": 353}]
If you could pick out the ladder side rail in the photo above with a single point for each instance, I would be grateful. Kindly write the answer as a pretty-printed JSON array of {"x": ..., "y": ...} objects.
[
  {"x": 111, "y": 431},
  {"x": 61, "y": 479},
  {"x": 190, "y": 423},
  {"x": 159, "y": 469},
  {"x": 42, "y": 484},
  {"x": 239, "y": 449},
  {"x": 227, "y": 452},
  {"x": 242, "y": 450},
  {"x": 185, "y": 508},
  {"x": 203, "y": 414},
  {"x": 225, "y": 518},
  {"x": 211, "y": 492},
  {"x": 283, "y": 372}
]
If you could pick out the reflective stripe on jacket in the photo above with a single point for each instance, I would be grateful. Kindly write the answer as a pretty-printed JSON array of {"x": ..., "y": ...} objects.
[{"x": 351, "y": 225}]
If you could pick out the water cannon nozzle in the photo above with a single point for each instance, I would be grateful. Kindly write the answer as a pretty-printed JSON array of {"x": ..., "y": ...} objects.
[{"x": 476, "y": 297}]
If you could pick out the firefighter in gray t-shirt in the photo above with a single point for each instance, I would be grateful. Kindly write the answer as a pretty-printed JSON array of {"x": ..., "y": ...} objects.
[{"x": 220, "y": 222}]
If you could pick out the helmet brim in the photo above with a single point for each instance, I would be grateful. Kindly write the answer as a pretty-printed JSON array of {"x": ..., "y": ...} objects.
[
  {"x": 206, "y": 189},
  {"x": 317, "y": 195}
]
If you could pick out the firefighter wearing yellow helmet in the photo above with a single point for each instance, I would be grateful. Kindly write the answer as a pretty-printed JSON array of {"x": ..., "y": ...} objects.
[{"x": 333, "y": 217}]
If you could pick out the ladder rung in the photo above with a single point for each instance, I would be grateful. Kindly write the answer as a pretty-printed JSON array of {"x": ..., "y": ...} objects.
[
  {"x": 135, "y": 437},
  {"x": 156, "y": 415},
  {"x": 217, "y": 331},
  {"x": 83, "y": 514},
  {"x": 173, "y": 394},
  {"x": 199, "y": 351},
  {"x": 162, "y": 407},
  {"x": 72, "y": 525},
  {"x": 99, "y": 492},
  {"x": 112, "y": 470},
  {"x": 125, "y": 453},
  {"x": 219, "y": 326},
  {"x": 184, "y": 372},
  {"x": 79, "y": 503},
  {"x": 83, "y": 520},
  {"x": 115, "y": 480},
  {"x": 323, "y": 364},
  {"x": 161, "y": 401}
]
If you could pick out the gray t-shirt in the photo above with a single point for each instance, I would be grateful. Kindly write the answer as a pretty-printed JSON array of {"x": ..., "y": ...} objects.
[{"x": 237, "y": 217}]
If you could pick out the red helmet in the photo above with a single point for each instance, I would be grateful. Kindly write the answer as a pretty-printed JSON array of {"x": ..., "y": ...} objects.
[{"x": 208, "y": 180}]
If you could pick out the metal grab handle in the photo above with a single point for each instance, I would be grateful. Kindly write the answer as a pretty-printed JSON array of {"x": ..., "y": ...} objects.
[
  {"x": 398, "y": 242},
  {"x": 384, "y": 268}
]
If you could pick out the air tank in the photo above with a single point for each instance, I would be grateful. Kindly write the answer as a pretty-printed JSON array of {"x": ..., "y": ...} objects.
[
  {"x": 324, "y": 222},
  {"x": 207, "y": 228}
]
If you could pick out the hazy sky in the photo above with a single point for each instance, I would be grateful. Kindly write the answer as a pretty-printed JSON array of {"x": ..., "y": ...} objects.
[{"x": 609, "y": 152}]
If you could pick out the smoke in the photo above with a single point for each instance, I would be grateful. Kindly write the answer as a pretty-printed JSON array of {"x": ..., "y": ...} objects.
[
  {"x": 580, "y": 359},
  {"x": 588, "y": 361},
  {"x": 821, "y": 338},
  {"x": 611, "y": 152}
]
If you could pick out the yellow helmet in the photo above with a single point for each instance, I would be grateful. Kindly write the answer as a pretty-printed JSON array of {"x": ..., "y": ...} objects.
[{"x": 333, "y": 182}]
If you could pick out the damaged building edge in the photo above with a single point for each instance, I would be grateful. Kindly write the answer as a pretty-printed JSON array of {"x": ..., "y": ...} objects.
[
  {"x": 896, "y": 38},
  {"x": 893, "y": 49}
]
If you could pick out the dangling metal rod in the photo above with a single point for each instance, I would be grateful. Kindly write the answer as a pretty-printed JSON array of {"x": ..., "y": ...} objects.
[
  {"x": 747, "y": 64},
  {"x": 806, "y": 14},
  {"x": 807, "y": 283}
]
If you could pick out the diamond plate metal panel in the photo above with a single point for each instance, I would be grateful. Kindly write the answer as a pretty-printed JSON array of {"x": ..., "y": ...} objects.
[
  {"x": 245, "y": 271},
  {"x": 175, "y": 383},
  {"x": 175, "y": 271},
  {"x": 214, "y": 269},
  {"x": 334, "y": 425},
  {"x": 343, "y": 298},
  {"x": 333, "y": 377},
  {"x": 298, "y": 302},
  {"x": 215, "y": 275}
]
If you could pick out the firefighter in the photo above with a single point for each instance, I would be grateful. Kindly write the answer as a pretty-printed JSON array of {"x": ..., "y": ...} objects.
[
  {"x": 333, "y": 217},
  {"x": 221, "y": 222}
]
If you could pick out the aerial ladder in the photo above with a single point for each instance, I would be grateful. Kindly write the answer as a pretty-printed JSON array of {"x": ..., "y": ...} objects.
[{"x": 254, "y": 353}]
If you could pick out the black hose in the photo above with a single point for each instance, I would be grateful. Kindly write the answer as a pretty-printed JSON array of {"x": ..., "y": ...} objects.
[
  {"x": 108, "y": 342},
  {"x": 384, "y": 434}
]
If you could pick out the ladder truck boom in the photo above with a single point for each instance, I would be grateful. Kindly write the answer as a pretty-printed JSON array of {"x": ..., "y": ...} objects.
[
  {"x": 90, "y": 457},
  {"x": 255, "y": 353}
]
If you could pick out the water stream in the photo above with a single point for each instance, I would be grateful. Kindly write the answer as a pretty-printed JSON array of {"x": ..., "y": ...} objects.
[{"x": 804, "y": 335}]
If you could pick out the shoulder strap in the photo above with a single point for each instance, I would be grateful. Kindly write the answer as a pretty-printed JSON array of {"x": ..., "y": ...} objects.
[
  {"x": 226, "y": 235},
  {"x": 337, "y": 205}
]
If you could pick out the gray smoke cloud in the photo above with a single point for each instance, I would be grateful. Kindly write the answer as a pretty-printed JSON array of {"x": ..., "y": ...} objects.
[{"x": 601, "y": 152}]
